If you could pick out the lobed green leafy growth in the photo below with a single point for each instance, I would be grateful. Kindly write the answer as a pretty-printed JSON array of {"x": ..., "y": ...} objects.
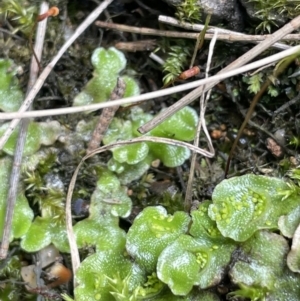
[
  {"x": 164, "y": 256},
  {"x": 131, "y": 161},
  {"x": 243, "y": 205},
  {"x": 23, "y": 214},
  {"x": 38, "y": 134},
  {"x": 108, "y": 202},
  {"x": 264, "y": 275},
  {"x": 11, "y": 95},
  {"x": 43, "y": 231},
  {"x": 151, "y": 232},
  {"x": 107, "y": 66}
]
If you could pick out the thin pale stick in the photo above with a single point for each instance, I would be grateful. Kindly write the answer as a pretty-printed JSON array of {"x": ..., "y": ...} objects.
[
  {"x": 71, "y": 237},
  {"x": 16, "y": 167},
  {"x": 72, "y": 241},
  {"x": 156, "y": 58},
  {"x": 203, "y": 103},
  {"x": 106, "y": 117},
  {"x": 152, "y": 95},
  {"x": 200, "y": 40},
  {"x": 294, "y": 24},
  {"x": 230, "y": 36},
  {"x": 278, "y": 70},
  {"x": 39, "y": 83}
]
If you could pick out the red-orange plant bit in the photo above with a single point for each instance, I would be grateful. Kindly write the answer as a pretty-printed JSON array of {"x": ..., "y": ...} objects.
[
  {"x": 52, "y": 12},
  {"x": 184, "y": 75},
  {"x": 61, "y": 273},
  {"x": 189, "y": 73}
]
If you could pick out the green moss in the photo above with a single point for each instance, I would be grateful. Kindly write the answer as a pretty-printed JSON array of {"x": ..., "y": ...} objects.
[
  {"x": 188, "y": 10},
  {"x": 19, "y": 13},
  {"x": 266, "y": 10}
]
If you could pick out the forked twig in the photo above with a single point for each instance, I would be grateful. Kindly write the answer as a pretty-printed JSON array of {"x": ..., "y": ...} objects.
[{"x": 292, "y": 25}]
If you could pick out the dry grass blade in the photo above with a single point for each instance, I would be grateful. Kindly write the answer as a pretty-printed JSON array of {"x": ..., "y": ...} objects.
[
  {"x": 15, "y": 173},
  {"x": 291, "y": 26},
  {"x": 71, "y": 236},
  {"x": 229, "y": 35},
  {"x": 39, "y": 83},
  {"x": 224, "y": 35},
  {"x": 202, "y": 122},
  {"x": 153, "y": 95}
]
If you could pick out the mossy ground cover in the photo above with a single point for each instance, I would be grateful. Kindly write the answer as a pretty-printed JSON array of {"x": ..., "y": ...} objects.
[{"x": 134, "y": 239}]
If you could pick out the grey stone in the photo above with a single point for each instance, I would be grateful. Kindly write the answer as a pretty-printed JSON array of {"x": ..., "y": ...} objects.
[
  {"x": 222, "y": 11},
  {"x": 251, "y": 9}
]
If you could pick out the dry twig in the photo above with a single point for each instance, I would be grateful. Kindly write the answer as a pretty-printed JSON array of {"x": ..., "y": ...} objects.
[
  {"x": 39, "y": 83},
  {"x": 106, "y": 117},
  {"x": 231, "y": 35},
  {"x": 15, "y": 173},
  {"x": 152, "y": 95},
  {"x": 225, "y": 35},
  {"x": 72, "y": 240},
  {"x": 291, "y": 26},
  {"x": 202, "y": 122}
]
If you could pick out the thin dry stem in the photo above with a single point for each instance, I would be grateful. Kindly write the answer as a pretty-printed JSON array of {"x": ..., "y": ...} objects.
[
  {"x": 202, "y": 122},
  {"x": 232, "y": 35},
  {"x": 226, "y": 35},
  {"x": 294, "y": 24},
  {"x": 43, "y": 76},
  {"x": 106, "y": 117},
  {"x": 152, "y": 95},
  {"x": 75, "y": 253},
  {"x": 16, "y": 167}
]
